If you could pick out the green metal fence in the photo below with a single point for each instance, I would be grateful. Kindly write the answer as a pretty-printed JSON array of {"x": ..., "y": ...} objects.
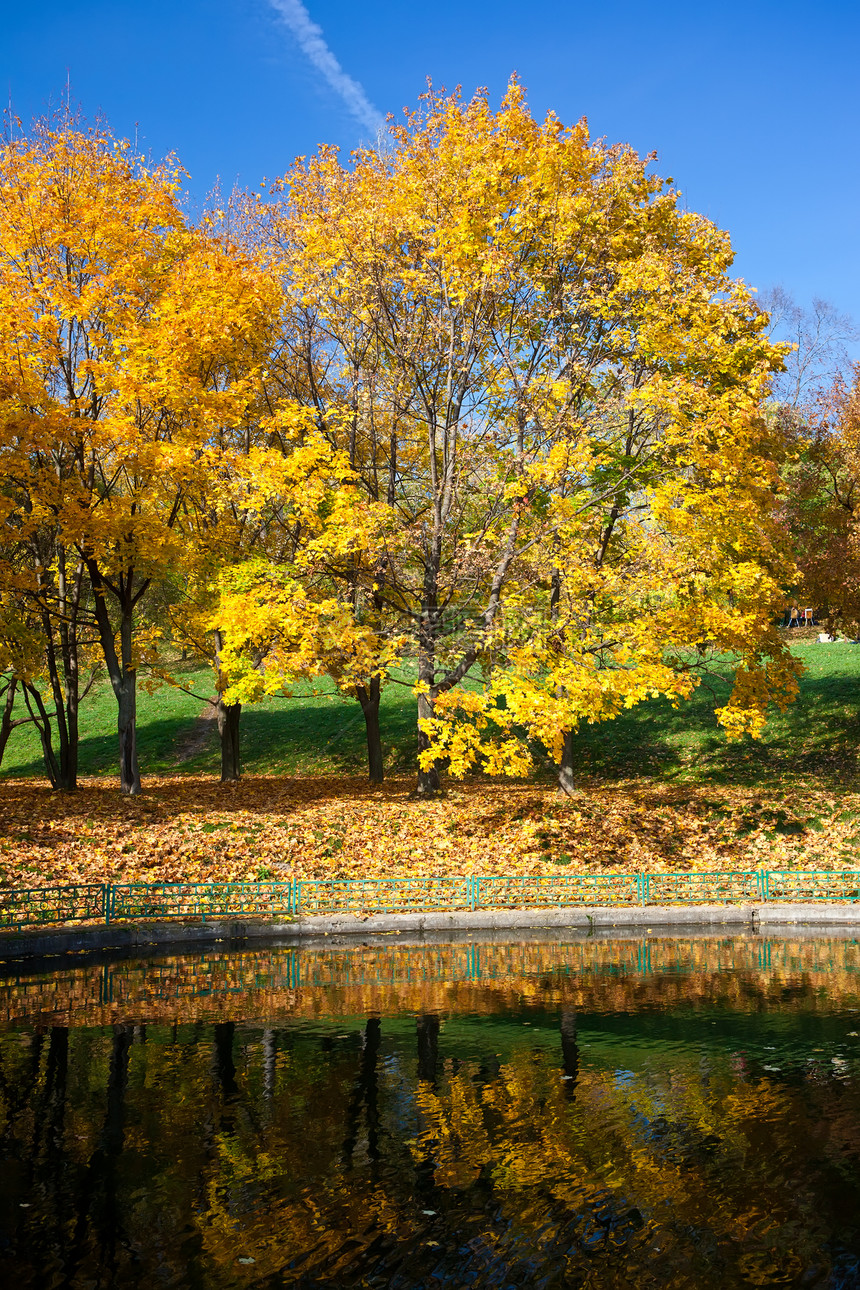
[
  {"x": 114, "y": 902},
  {"x": 81, "y": 902}
]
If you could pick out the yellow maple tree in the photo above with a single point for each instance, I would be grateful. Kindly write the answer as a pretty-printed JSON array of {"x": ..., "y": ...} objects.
[
  {"x": 128, "y": 356},
  {"x": 548, "y": 386}
]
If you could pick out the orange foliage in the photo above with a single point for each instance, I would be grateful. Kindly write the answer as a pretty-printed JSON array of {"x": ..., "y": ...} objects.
[{"x": 192, "y": 829}]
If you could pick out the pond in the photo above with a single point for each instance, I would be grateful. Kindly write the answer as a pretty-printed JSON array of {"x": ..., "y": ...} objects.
[{"x": 593, "y": 1112}]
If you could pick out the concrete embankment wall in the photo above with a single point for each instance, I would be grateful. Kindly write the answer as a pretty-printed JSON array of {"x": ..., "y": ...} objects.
[{"x": 606, "y": 921}]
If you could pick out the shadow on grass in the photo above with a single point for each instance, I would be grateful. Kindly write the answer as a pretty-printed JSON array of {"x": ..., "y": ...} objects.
[
  {"x": 817, "y": 738},
  {"x": 157, "y": 745},
  {"x": 290, "y": 739},
  {"x": 317, "y": 740}
]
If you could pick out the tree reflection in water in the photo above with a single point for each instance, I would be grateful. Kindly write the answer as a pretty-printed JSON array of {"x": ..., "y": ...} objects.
[{"x": 570, "y": 1130}]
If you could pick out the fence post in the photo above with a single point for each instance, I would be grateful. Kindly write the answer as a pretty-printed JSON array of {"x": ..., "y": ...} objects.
[{"x": 107, "y": 900}]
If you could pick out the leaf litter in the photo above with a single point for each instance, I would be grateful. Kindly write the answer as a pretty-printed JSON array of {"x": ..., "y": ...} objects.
[{"x": 193, "y": 829}]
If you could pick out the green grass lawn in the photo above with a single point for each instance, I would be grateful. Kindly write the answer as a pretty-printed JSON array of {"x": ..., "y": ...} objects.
[
  {"x": 312, "y": 734},
  {"x": 816, "y": 739}
]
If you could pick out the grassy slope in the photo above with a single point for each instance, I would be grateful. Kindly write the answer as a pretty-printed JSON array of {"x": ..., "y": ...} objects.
[
  {"x": 307, "y": 734},
  {"x": 661, "y": 789},
  {"x": 815, "y": 740}
]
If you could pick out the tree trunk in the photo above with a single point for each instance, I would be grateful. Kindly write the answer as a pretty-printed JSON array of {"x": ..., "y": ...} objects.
[
  {"x": 569, "y": 1050},
  {"x": 228, "y": 729},
  {"x": 428, "y": 1047},
  {"x": 60, "y": 635},
  {"x": 69, "y": 754},
  {"x": 428, "y": 780},
  {"x": 70, "y": 599},
  {"x": 129, "y": 778},
  {"x": 59, "y": 705},
  {"x": 129, "y": 770},
  {"x": 42, "y": 722},
  {"x": 228, "y": 715},
  {"x": 565, "y": 770},
  {"x": 122, "y": 672},
  {"x": 368, "y": 696},
  {"x": 7, "y": 725},
  {"x": 566, "y": 782}
]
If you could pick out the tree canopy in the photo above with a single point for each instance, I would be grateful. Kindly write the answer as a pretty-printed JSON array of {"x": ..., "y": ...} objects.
[{"x": 484, "y": 402}]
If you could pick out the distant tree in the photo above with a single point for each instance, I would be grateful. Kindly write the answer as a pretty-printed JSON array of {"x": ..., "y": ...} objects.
[
  {"x": 822, "y": 505},
  {"x": 821, "y": 338},
  {"x": 813, "y": 414}
]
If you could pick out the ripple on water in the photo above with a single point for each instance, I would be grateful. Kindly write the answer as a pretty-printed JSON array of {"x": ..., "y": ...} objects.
[{"x": 389, "y": 1117}]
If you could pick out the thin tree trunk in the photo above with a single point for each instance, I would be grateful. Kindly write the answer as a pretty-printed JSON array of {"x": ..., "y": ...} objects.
[
  {"x": 7, "y": 725},
  {"x": 428, "y": 1047},
  {"x": 129, "y": 770},
  {"x": 69, "y": 766},
  {"x": 60, "y": 636},
  {"x": 129, "y": 780},
  {"x": 228, "y": 729},
  {"x": 228, "y": 715},
  {"x": 569, "y": 1050},
  {"x": 122, "y": 673},
  {"x": 65, "y": 699},
  {"x": 565, "y": 770},
  {"x": 42, "y": 722},
  {"x": 59, "y": 704},
  {"x": 368, "y": 696},
  {"x": 566, "y": 782},
  {"x": 70, "y": 598},
  {"x": 428, "y": 779}
]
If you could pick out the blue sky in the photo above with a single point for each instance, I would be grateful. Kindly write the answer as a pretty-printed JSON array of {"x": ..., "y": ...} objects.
[{"x": 752, "y": 106}]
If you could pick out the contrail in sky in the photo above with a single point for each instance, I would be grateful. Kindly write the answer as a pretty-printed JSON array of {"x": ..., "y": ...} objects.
[{"x": 313, "y": 44}]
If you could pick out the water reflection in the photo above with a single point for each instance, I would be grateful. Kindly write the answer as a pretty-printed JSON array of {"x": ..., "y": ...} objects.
[{"x": 669, "y": 1113}]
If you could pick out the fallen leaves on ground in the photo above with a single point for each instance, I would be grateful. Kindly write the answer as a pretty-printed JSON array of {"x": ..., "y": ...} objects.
[{"x": 193, "y": 829}]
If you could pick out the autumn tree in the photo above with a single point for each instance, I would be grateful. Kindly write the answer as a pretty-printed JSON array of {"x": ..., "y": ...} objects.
[
  {"x": 542, "y": 375},
  {"x": 297, "y": 607},
  {"x": 49, "y": 665},
  {"x": 822, "y": 497},
  {"x": 820, "y": 337},
  {"x": 127, "y": 343},
  {"x": 287, "y": 616},
  {"x": 813, "y": 411},
  {"x": 46, "y": 640}
]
